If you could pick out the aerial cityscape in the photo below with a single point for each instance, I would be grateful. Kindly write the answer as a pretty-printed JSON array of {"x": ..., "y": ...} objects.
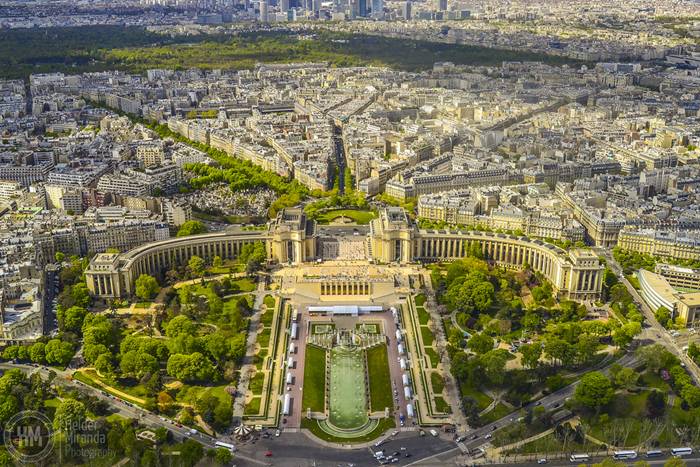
[{"x": 349, "y": 233}]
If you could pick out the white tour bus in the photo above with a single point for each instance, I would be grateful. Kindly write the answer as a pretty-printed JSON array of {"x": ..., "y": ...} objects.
[
  {"x": 578, "y": 458},
  {"x": 619, "y": 455},
  {"x": 229, "y": 446},
  {"x": 680, "y": 452}
]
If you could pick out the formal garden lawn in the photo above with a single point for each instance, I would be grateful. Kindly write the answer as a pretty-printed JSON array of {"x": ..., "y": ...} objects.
[
  {"x": 314, "y": 379},
  {"x": 263, "y": 337},
  {"x": 255, "y": 385},
  {"x": 313, "y": 426},
  {"x": 432, "y": 356},
  {"x": 428, "y": 336},
  {"x": 266, "y": 318},
  {"x": 438, "y": 382},
  {"x": 253, "y": 407},
  {"x": 423, "y": 315},
  {"x": 355, "y": 215},
  {"x": 442, "y": 406},
  {"x": 379, "y": 378}
]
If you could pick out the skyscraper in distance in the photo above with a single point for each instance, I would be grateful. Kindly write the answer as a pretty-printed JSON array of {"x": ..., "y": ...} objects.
[
  {"x": 377, "y": 7},
  {"x": 362, "y": 8},
  {"x": 263, "y": 11},
  {"x": 407, "y": 10}
]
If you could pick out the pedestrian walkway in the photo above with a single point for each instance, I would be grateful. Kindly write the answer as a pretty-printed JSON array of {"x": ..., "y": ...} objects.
[{"x": 248, "y": 364}]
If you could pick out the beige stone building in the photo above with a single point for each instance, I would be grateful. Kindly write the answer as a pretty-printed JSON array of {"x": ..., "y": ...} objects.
[{"x": 393, "y": 238}]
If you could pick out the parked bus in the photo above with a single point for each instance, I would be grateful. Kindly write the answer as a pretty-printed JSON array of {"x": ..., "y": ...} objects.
[
  {"x": 292, "y": 348},
  {"x": 289, "y": 378},
  {"x": 578, "y": 458},
  {"x": 229, "y": 446},
  {"x": 406, "y": 380},
  {"x": 287, "y": 404},
  {"x": 400, "y": 349},
  {"x": 295, "y": 329},
  {"x": 655, "y": 453},
  {"x": 409, "y": 411},
  {"x": 295, "y": 315},
  {"x": 619, "y": 455},
  {"x": 680, "y": 452}
]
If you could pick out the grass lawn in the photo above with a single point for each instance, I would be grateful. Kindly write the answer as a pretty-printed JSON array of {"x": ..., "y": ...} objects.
[
  {"x": 432, "y": 356},
  {"x": 551, "y": 444},
  {"x": 52, "y": 403},
  {"x": 379, "y": 378},
  {"x": 515, "y": 432},
  {"x": 143, "y": 304},
  {"x": 312, "y": 425},
  {"x": 256, "y": 383},
  {"x": 114, "y": 418},
  {"x": 442, "y": 406},
  {"x": 263, "y": 337},
  {"x": 438, "y": 382},
  {"x": 427, "y": 336},
  {"x": 253, "y": 407},
  {"x": 481, "y": 399},
  {"x": 244, "y": 284},
  {"x": 423, "y": 316},
  {"x": 420, "y": 299},
  {"x": 498, "y": 412},
  {"x": 314, "y": 379},
  {"x": 628, "y": 411},
  {"x": 269, "y": 301},
  {"x": 266, "y": 318},
  {"x": 356, "y": 215},
  {"x": 653, "y": 380},
  {"x": 91, "y": 379}
]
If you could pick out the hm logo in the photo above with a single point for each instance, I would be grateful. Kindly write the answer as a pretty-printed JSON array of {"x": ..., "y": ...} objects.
[{"x": 30, "y": 436}]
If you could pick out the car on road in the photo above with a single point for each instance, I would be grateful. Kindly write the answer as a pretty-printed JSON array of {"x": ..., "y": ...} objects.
[
  {"x": 268, "y": 454},
  {"x": 277, "y": 433},
  {"x": 541, "y": 461},
  {"x": 460, "y": 439},
  {"x": 488, "y": 436}
]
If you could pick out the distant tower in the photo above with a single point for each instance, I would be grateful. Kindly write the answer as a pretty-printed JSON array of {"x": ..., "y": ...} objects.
[
  {"x": 377, "y": 7},
  {"x": 284, "y": 6},
  {"x": 442, "y": 5},
  {"x": 362, "y": 8},
  {"x": 407, "y": 10},
  {"x": 263, "y": 11},
  {"x": 316, "y": 6}
]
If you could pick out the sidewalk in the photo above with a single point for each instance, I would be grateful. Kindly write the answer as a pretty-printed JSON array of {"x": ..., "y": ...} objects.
[{"x": 247, "y": 366}]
